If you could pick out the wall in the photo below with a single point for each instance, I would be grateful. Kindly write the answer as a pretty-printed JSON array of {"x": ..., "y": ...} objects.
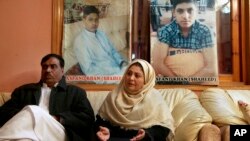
[{"x": 25, "y": 37}]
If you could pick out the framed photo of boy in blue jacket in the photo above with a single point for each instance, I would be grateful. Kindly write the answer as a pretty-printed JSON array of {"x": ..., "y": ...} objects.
[{"x": 96, "y": 44}]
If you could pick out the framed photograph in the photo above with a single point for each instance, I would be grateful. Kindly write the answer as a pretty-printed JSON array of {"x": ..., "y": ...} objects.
[
  {"x": 96, "y": 40},
  {"x": 183, "y": 41}
]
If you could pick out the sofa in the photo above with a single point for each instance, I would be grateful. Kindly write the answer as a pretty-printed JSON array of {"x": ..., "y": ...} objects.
[
  {"x": 223, "y": 106},
  {"x": 192, "y": 121}
]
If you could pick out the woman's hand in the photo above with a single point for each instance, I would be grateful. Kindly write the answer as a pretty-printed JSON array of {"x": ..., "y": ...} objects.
[
  {"x": 103, "y": 134},
  {"x": 140, "y": 135}
]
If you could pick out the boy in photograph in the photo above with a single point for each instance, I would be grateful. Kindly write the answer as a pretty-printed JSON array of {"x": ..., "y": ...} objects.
[
  {"x": 94, "y": 51},
  {"x": 186, "y": 47}
]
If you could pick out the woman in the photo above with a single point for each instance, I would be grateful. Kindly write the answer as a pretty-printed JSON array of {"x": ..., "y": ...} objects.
[{"x": 134, "y": 110}]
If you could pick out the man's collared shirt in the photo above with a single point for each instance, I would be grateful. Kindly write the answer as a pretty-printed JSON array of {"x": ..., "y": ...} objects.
[{"x": 45, "y": 96}]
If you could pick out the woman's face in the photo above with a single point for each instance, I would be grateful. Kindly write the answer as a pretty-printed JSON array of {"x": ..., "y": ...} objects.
[
  {"x": 134, "y": 78},
  {"x": 91, "y": 22}
]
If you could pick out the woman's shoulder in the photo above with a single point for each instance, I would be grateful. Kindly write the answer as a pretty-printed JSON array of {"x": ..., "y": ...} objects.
[{"x": 155, "y": 94}]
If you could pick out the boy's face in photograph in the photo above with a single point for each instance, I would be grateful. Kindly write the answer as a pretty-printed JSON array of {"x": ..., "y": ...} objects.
[
  {"x": 91, "y": 22},
  {"x": 185, "y": 14}
]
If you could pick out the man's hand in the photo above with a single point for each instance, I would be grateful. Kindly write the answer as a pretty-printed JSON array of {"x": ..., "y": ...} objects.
[
  {"x": 57, "y": 118},
  {"x": 140, "y": 135},
  {"x": 103, "y": 134}
]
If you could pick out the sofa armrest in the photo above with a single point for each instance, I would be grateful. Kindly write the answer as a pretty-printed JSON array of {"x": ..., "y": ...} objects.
[
  {"x": 223, "y": 106},
  {"x": 4, "y": 96}
]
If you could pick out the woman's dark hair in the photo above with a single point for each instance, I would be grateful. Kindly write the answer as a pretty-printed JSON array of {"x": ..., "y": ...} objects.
[
  {"x": 90, "y": 9},
  {"x": 58, "y": 57},
  {"x": 176, "y": 2}
]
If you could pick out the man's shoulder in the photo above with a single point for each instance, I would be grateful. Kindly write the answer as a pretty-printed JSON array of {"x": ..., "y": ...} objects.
[
  {"x": 173, "y": 26},
  {"x": 75, "y": 88},
  {"x": 28, "y": 86},
  {"x": 168, "y": 31}
]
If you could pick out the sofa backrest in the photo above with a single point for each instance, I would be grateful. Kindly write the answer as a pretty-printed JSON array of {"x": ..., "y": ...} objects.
[
  {"x": 187, "y": 112},
  {"x": 4, "y": 96},
  {"x": 96, "y": 99},
  {"x": 223, "y": 106}
]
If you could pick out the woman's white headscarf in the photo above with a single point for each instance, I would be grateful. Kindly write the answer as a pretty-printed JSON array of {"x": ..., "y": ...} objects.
[{"x": 135, "y": 110}]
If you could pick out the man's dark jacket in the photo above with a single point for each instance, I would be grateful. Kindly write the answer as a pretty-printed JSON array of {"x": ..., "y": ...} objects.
[{"x": 68, "y": 102}]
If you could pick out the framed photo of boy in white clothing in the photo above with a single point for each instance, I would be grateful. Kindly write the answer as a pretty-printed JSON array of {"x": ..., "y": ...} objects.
[
  {"x": 183, "y": 41},
  {"x": 95, "y": 42}
]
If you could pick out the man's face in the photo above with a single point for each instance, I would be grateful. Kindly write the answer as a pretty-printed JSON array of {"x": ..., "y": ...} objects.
[
  {"x": 91, "y": 22},
  {"x": 185, "y": 14},
  {"x": 52, "y": 72}
]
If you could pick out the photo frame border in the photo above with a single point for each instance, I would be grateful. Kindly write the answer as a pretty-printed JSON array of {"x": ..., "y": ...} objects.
[{"x": 57, "y": 36}]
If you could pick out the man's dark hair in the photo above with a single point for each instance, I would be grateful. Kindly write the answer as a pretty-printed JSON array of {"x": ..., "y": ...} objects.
[
  {"x": 48, "y": 56},
  {"x": 176, "y": 2},
  {"x": 90, "y": 9}
]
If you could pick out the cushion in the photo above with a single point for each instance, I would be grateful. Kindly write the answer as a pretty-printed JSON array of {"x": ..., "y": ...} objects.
[
  {"x": 184, "y": 62},
  {"x": 187, "y": 112},
  {"x": 223, "y": 106}
]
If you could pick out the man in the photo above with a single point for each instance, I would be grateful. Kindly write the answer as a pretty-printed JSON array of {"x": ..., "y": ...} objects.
[
  {"x": 186, "y": 47},
  {"x": 49, "y": 109}
]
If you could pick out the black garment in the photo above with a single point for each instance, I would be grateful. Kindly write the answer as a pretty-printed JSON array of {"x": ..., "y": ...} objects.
[
  {"x": 68, "y": 102},
  {"x": 154, "y": 133}
]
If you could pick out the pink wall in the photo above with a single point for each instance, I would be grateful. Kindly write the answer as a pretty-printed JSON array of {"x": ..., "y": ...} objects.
[{"x": 25, "y": 28}]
